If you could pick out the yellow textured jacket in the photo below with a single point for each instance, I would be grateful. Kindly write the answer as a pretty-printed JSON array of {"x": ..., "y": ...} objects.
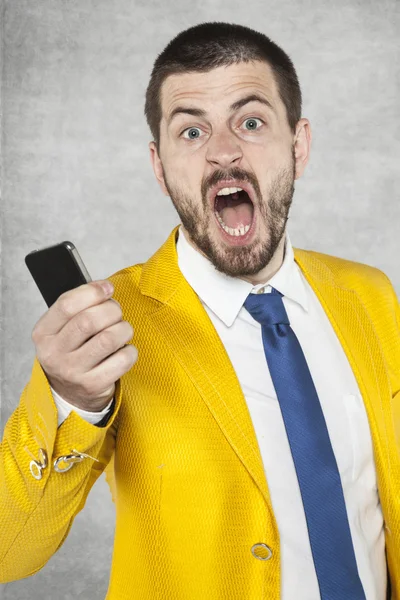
[{"x": 180, "y": 451}]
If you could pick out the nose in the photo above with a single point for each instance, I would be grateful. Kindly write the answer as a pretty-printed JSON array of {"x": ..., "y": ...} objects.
[{"x": 224, "y": 151}]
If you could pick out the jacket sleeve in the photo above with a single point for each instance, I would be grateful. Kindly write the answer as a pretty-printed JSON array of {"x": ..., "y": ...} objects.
[{"x": 44, "y": 477}]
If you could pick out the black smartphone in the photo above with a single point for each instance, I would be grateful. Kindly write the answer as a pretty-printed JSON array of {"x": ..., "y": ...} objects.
[{"x": 57, "y": 269}]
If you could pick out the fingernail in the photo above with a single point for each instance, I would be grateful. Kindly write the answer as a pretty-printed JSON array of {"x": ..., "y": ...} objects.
[{"x": 108, "y": 288}]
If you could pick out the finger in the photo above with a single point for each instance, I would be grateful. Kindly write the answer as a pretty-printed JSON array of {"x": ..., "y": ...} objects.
[
  {"x": 70, "y": 304},
  {"x": 101, "y": 346},
  {"x": 113, "y": 367},
  {"x": 87, "y": 324}
]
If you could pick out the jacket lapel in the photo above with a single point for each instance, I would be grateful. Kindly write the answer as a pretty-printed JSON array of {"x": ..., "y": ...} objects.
[
  {"x": 191, "y": 336},
  {"x": 185, "y": 326},
  {"x": 357, "y": 335}
]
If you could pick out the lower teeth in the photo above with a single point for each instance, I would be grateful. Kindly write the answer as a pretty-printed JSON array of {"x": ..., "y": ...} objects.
[{"x": 236, "y": 232}]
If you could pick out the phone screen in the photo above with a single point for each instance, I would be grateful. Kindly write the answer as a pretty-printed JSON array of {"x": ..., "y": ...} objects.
[{"x": 57, "y": 269}]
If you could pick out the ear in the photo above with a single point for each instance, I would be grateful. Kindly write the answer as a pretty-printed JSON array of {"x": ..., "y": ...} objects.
[
  {"x": 302, "y": 146},
  {"x": 157, "y": 167}
]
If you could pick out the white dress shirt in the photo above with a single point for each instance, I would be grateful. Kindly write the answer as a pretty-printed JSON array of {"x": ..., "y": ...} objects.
[{"x": 342, "y": 404}]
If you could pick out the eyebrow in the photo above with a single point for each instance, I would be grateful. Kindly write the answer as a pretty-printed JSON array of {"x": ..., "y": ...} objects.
[{"x": 199, "y": 112}]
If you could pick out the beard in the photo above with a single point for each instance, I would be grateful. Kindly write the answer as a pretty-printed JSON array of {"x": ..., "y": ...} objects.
[{"x": 273, "y": 214}]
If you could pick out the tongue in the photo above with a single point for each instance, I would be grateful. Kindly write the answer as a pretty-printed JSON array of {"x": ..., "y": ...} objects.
[{"x": 237, "y": 216}]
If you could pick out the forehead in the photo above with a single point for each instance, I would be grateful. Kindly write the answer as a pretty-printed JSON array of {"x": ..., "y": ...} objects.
[{"x": 219, "y": 83}]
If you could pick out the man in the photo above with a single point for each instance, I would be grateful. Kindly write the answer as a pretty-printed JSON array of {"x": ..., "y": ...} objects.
[{"x": 253, "y": 447}]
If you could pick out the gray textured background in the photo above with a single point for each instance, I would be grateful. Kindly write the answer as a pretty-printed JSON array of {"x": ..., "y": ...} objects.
[{"x": 76, "y": 167}]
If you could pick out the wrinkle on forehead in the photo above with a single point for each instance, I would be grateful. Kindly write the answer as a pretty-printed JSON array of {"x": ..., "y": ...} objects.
[{"x": 218, "y": 83}]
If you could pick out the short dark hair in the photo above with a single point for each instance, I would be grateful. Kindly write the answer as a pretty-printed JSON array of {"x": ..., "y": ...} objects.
[{"x": 210, "y": 45}]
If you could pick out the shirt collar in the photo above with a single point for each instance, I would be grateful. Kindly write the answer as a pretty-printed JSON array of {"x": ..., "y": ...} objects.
[{"x": 225, "y": 295}]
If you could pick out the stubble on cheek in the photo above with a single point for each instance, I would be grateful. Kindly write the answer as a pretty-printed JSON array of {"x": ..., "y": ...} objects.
[{"x": 191, "y": 213}]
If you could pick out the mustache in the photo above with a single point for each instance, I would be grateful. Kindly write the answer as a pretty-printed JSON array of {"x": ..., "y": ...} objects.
[{"x": 234, "y": 173}]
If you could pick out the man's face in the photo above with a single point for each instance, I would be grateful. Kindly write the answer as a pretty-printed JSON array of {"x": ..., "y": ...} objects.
[{"x": 248, "y": 146}]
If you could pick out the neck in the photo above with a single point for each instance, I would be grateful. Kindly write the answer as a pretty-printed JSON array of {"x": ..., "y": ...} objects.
[
  {"x": 271, "y": 268},
  {"x": 262, "y": 276}
]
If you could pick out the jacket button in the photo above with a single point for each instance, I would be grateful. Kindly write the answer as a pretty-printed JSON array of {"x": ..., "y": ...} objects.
[
  {"x": 66, "y": 462},
  {"x": 261, "y": 551},
  {"x": 36, "y": 466}
]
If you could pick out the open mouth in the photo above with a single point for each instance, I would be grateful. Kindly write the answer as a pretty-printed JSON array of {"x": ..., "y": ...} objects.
[{"x": 234, "y": 211}]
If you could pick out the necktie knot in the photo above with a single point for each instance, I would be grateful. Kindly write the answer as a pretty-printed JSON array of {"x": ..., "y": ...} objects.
[{"x": 267, "y": 309}]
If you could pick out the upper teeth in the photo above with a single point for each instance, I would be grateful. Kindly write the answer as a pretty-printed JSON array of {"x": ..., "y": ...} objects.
[{"x": 227, "y": 190}]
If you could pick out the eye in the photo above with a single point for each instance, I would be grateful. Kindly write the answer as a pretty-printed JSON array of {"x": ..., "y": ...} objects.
[
  {"x": 253, "y": 122},
  {"x": 191, "y": 133}
]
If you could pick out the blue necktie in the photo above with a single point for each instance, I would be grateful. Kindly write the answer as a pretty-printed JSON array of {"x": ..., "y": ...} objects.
[{"x": 313, "y": 457}]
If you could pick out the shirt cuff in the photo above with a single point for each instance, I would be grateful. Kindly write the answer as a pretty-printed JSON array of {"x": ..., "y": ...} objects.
[{"x": 64, "y": 408}]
